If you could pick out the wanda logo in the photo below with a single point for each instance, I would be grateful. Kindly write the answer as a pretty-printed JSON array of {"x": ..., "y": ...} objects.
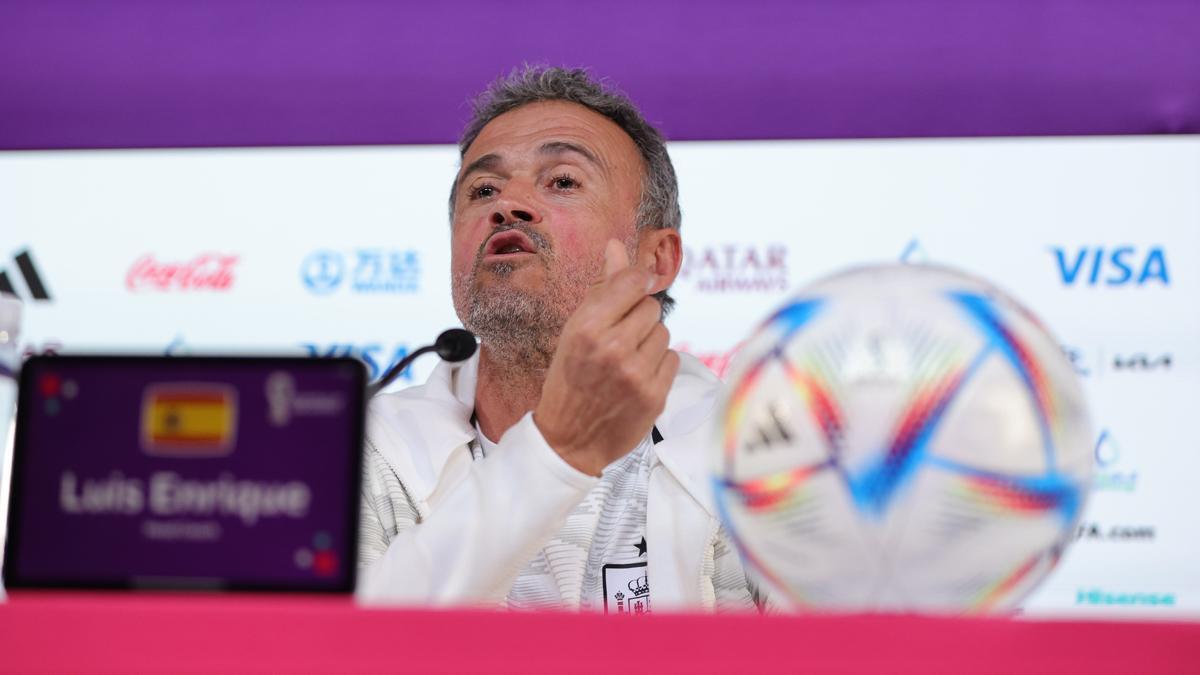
[{"x": 205, "y": 272}]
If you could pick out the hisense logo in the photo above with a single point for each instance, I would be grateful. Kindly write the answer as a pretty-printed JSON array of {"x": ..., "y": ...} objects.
[
  {"x": 1097, "y": 596},
  {"x": 34, "y": 286}
]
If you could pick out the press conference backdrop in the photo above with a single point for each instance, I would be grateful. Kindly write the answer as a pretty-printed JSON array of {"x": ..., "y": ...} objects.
[{"x": 335, "y": 251}]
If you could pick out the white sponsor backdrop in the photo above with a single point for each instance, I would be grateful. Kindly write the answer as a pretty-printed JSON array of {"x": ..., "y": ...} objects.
[{"x": 345, "y": 250}]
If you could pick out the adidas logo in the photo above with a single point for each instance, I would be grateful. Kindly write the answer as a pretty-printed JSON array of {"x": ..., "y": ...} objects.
[{"x": 33, "y": 281}]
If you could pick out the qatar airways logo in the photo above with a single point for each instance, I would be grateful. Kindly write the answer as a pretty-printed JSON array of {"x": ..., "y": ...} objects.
[
  {"x": 205, "y": 272},
  {"x": 736, "y": 268}
]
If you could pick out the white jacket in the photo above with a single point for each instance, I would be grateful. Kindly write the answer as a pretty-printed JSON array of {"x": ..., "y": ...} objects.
[{"x": 478, "y": 522}]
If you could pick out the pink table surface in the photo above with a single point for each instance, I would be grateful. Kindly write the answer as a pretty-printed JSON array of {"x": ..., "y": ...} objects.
[{"x": 112, "y": 632}]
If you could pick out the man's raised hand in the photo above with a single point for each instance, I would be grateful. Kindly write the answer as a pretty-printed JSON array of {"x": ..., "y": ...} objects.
[{"x": 612, "y": 370}]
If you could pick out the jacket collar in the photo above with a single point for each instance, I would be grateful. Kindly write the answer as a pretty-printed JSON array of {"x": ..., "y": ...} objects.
[
  {"x": 416, "y": 429},
  {"x": 686, "y": 424},
  {"x": 434, "y": 419}
]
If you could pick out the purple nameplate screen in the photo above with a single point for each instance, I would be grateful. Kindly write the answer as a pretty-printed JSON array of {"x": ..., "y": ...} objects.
[{"x": 209, "y": 472}]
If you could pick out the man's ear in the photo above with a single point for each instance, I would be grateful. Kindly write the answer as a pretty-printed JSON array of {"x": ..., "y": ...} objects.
[{"x": 661, "y": 252}]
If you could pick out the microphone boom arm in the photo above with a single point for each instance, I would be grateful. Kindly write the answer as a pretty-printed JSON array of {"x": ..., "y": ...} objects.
[{"x": 456, "y": 344}]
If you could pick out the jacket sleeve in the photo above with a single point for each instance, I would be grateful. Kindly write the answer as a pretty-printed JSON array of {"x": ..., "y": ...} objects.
[
  {"x": 386, "y": 508},
  {"x": 485, "y": 528},
  {"x": 733, "y": 591}
]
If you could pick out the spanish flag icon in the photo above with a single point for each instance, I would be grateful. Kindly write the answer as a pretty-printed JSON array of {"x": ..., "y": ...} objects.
[{"x": 189, "y": 419}]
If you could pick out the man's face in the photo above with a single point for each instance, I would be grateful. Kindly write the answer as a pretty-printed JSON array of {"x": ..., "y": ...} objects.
[{"x": 541, "y": 191}]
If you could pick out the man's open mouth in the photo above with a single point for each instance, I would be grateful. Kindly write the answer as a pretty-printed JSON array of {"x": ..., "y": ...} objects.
[{"x": 509, "y": 242}]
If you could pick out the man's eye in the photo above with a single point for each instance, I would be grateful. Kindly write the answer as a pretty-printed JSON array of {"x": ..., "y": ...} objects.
[
  {"x": 483, "y": 192},
  {"x": 564, "y": 183}
]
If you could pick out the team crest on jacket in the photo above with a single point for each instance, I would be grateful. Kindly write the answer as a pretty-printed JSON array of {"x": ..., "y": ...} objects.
[{"x": 626, "y": 589}]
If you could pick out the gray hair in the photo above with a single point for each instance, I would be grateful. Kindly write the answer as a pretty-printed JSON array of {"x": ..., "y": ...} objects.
[{"x": 659, "y": 204}]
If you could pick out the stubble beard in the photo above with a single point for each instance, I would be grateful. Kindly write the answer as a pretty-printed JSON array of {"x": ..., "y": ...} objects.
[{"x": 519, "y": 327}]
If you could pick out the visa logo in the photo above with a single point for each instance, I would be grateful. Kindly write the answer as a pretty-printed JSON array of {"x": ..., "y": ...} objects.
[
  {"x": 1119, "y": 266},
  {"x": 378, "y": 358}
]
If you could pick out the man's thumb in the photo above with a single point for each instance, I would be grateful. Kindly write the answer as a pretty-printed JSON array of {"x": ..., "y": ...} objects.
[{"x": 615, "y": 258}]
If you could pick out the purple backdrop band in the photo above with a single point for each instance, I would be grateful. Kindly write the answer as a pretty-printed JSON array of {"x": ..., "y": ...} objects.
[{"x": 123, "y": 73}]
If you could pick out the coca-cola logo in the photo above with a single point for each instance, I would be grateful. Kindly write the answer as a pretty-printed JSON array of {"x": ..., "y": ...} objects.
[
  {"x": 205, "y": 272},
  {"x": 716, "y": 361}
]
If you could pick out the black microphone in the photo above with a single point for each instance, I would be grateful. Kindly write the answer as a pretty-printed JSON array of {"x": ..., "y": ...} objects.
[{"x": 456, "y": 344}]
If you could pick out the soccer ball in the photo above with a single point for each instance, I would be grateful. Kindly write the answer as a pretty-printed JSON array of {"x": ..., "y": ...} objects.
[{"x": 901, "y": 438}]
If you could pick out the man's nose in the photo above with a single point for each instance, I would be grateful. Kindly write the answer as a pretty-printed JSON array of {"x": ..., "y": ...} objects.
[
  {"x": 511, "y": 209},
  {"x": 511, "y": 215}
]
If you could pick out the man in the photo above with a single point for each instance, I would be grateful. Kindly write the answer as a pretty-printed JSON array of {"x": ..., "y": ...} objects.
[{"x": 564, "y": 465}]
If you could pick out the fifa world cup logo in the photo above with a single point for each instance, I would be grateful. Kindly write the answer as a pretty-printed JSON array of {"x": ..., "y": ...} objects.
[{"x": 281, "y": 393}]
